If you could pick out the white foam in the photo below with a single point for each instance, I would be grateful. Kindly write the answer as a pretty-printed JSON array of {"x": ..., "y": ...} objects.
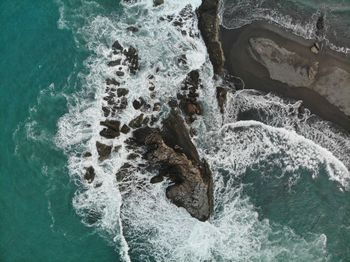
[
  {"x": 141, "y": 221},
  {"x": 235, "y": 14}
]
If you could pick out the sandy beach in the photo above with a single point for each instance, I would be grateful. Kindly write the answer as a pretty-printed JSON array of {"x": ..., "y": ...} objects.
[{"x": 271, "y": 59}]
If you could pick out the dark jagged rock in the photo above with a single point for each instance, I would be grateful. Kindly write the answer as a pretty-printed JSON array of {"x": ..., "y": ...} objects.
[
  {"x": 122, "y": 92},
  {"x": 221, "y": 96},
  {"x": 157, "y": 179},
  {"x": 156, "y": 107},
  {"x": 136, "y": 122},
  {"x": 103, "y": 150},
  {"x": 124, "y": 173},
  {"x": 132, "y": 29},
  {"x": 112, "y": 130},
  {"x": 106, "y": 111},
  {"x": 208, "y": 23},
  {"x": 123, "y": 103},
  {"x": 173, "y": 103},
  {"x": 112, "y": 124},
  {"x": 117, "y": 47},
  {"x": 120, "y": 73},
  {"x": 158, "y": 2},
  {"x": 182, "y": 60},
  {"x": 90, "y": 174},
  {"x": 114, "y": 62},
  {"x": 188, "y": 97},
  {"x": 112, "y": 81},
  {"x": 87, "y": 154},
  {"x": 125, "y": 129},
  {"x": 175, "y": 133},
  {"x": 172, "y": 151},
  {"x": 320, "y": 23},
  {"x": 137, "y": 104},
  {"x": 132, "y": 58}
]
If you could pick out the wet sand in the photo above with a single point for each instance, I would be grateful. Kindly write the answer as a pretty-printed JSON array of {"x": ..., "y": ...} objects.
[{"x": 270, "y": 59}]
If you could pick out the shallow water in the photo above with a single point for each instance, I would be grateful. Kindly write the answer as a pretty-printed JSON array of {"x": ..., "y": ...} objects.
[{"x": 281, "y": 178}]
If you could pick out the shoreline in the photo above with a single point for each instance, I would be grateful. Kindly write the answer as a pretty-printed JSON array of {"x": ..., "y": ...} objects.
[{"x": 270, "y": 59}]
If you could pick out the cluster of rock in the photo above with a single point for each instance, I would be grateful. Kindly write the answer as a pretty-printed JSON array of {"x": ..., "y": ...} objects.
[
  {"x": 188, "y": 97},
  {"x": 167, "y": 148}
]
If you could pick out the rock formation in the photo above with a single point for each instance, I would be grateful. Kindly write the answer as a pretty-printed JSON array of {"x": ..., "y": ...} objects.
[
  {"x": 171, "y": 151},
  {"x": 209, "y": 25}
]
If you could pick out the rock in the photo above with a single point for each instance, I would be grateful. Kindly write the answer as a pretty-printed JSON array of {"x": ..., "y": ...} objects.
[
  {"x": 175, "y": 133},
  {"x": 315, "y": 48},
  {"x": 221, "y": 96},
  {"x": 122, "y": 92},
  {"x": 208, "y": 23},
  {"x": 123, "y": 103},
  {"x": 132, "y": 58},
  {"x": 90, "y": 174},
  {"x": 87, "y": 154},
  {"x": 112, "y": 81},
  {"x": 156, "y": 179},
  {"x": 123, "y": 174},
  {"x": 112, "y": 130},
  {"x": 182, "y": 60},
  {"x": 156, "y": 107},
  {"x": 120, "y": 73},
  {"x": 112, "y": 124},
  {"x": 106, "y": 111},
  {"x": 313, "y": 70},
  {"x": 132, "y": 156},
  {"x": 136, "y": 122},
  {"x": 320, "y": 23},
  {"x": 173, "y": 103},
  {"x": 103, "y": 150},
  {"x": 117, "y": 148},
  {"x": 138, "y": 104},
  {"x": 132, "y": 29},
  {"x": 191, "y": 178},
  {"x": 114, "y": 62},
  {"x": 117, "y": 47},
  {"x": 125, "y": 129},
  {"x": 158, "y": 2}
]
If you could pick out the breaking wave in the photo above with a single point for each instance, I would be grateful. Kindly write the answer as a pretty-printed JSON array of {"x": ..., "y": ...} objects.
[{"x": 297, "y": 16}]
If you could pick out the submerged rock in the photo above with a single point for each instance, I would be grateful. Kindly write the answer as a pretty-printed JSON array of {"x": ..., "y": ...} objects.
[
  {"x": 117, "y": 47},
  {"x": 132, "y": 58},
  {"x": 90, "y": 174}
]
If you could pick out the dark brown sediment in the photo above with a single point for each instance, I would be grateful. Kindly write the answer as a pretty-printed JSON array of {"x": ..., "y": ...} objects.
[{"x": 270, "y": 59}]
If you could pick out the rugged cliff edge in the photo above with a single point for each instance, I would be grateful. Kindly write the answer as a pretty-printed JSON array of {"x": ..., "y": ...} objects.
[{"x": 209, "y": 25}]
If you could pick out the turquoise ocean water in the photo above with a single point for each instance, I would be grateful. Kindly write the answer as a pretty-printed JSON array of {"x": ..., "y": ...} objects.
[{"x": 282, "y": 184}]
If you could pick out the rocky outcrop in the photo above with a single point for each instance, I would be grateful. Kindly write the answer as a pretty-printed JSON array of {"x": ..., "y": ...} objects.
[
  {"x": 90, "y": 174},
  {"x": 171, "y": 151},
  {"x": 103, "y": 150},
  {"x": 209, "y": 25},
  {"x": 188, "y": 96}
]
